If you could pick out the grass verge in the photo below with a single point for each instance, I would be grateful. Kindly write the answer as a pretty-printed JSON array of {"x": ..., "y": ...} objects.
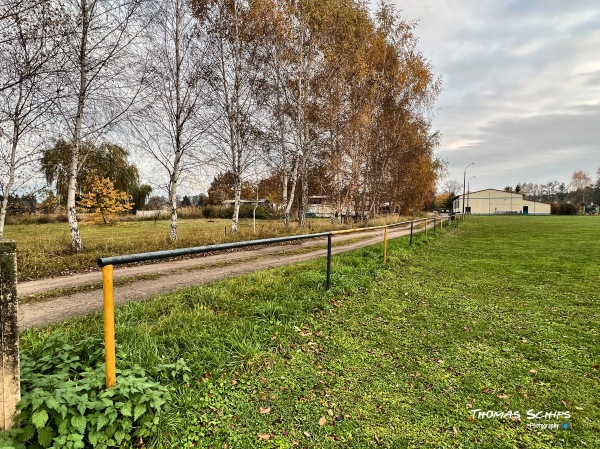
[{"x": 499, "y": 315}]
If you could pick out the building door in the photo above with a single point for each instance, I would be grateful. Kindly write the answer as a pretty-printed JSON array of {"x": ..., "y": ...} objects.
[{"x": 525, "y": 210}]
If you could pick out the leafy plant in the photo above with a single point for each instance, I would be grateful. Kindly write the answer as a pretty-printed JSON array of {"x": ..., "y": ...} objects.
[{"x": 65, "y": 403}]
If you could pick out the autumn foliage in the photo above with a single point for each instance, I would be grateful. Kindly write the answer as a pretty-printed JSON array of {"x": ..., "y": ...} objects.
[{"x": 104, "y": 200}]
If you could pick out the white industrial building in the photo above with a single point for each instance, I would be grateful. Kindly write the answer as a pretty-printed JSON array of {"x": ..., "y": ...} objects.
[{"x": 498, "y": 202}]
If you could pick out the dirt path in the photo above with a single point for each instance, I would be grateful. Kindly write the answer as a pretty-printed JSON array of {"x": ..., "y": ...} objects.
[{"x": 172, "y": 276}]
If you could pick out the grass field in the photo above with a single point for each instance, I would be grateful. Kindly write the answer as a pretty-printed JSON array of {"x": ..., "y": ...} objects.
[
  {"x": 498, "y": 315},
  {"x": 44, "y": 250}
]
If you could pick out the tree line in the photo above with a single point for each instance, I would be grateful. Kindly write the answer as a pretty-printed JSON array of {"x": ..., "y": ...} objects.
[{"x": 320, "y": 96}]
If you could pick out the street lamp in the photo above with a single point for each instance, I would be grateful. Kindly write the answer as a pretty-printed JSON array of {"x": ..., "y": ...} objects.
[
  {"x": 464, "y": 186},
  {"x": 469, "y": 189}
]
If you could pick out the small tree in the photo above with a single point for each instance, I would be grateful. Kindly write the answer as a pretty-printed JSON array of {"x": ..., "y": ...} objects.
[{"x": 104, "y": 200}]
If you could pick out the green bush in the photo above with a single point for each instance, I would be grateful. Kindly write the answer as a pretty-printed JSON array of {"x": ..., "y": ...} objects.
[
  {"x": 65, "y": 403},
  {"x": 246, "y": 211},
  {"x": 568, "y": 209}
]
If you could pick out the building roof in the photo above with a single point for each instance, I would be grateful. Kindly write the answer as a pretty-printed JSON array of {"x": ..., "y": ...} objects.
[
  {"x": 501, "y": 191},
  {"x": 496, "y": 190}
]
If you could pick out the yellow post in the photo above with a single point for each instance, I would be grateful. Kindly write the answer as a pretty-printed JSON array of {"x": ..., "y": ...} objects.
[
  {"x": 385, "y": 245},
  {"x": 109, "y": 326}
]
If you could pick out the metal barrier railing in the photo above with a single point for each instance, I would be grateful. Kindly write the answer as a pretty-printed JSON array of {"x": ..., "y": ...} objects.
[{"x": 107, "y": 264}]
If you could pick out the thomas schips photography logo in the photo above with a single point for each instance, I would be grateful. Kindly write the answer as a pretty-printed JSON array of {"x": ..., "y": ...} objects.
[{"x": 533, "y": 418}]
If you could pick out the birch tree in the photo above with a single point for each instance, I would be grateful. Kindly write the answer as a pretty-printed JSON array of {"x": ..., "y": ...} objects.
[
  {"x": 30, "y": 37},
  {"x": 172, "y": 124},
  {"x": 98, "y": 84},
  {"x": 231, "y": 77},
  {"x": 292, "y": 60}
]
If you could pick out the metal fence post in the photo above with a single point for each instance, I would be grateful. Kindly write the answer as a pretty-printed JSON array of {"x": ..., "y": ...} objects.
[
  {"x": 109, "y": 326},
  {"x": 328, "y": 284},
  {"x": 385, "y": 245},
  {"x": 411, "y": 231},
  {"x": 9, "y": 337}
]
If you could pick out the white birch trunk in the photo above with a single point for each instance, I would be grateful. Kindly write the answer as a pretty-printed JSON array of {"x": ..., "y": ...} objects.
[
  {"x": 76, "y": 243},
  {"x": 173, "y": 203}
]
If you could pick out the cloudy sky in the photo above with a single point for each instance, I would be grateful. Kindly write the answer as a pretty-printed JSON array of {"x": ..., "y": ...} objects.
[{"x": 521, "y": 81}]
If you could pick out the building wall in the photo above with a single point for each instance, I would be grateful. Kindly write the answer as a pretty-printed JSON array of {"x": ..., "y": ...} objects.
[{"x": 490, "y": 202}]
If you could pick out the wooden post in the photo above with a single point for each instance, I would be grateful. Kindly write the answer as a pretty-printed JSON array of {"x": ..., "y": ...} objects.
[{"x": 11, "y": 387}]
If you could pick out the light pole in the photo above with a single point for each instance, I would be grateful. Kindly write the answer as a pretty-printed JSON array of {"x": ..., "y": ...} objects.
[
  {"x": 469, "y": 189},
  {"x": 464, "y": 186}
]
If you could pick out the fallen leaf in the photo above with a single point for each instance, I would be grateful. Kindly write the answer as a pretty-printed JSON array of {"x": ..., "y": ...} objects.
[
  {"x": 234, "y": 382},
  {"x": 486, "y": 390},
  {"x": 306, "y": 434},
  {"x": 330, "y": 412},
  {"x": 455, "y": 430},
  {"x": 469, "y": 405},
  {"x": 264, "y": 436},
  {"x": 578, "y": 408},
  {"x": 470, "y": 418},
  {"x": 503, "y": 396},
  {"x": 264, "y": 410},
  {"x": 565, "y": 402},
  {"x": 322, "y": 421},
  {"x": 532, "y": 371}
]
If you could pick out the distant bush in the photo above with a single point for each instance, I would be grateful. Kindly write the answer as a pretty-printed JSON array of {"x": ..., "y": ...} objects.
[
  {"x": 246, "y": 211},
  {"x": 36, "y": 219},
  {"x": 210, "y": 211},
  {"x": 568, "y": 209},
  {"x": 190, "y": 212}
]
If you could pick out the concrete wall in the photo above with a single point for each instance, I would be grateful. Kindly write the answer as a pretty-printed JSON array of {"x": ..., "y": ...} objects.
[{"x": 152, "y": 213}]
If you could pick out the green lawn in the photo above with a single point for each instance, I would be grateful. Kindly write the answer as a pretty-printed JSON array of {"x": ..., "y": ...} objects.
[{"x": 499, "y": 315}]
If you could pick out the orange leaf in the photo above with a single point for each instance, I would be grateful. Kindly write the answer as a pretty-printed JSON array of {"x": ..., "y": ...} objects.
[
  {"x": 264, "y": 410},
  {"x": 264, "y": 436},
  {"x": 322, "y": 421}
]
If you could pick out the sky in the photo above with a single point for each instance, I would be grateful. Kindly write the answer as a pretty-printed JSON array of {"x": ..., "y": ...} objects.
[{"x": 521, "y": 86}]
